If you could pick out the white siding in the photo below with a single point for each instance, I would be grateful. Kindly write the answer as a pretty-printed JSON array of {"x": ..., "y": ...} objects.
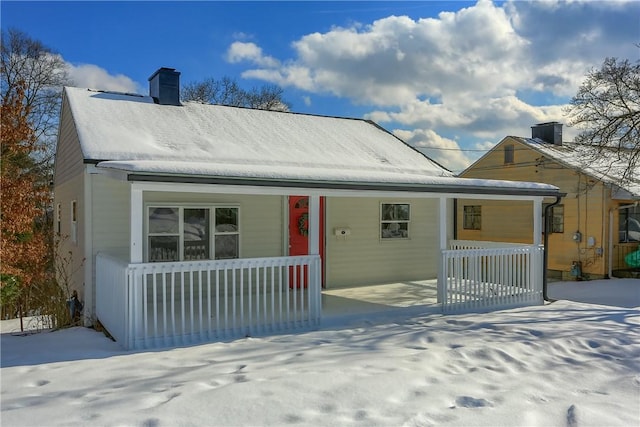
[
  {"x": 110, "y": 216},
  {"x": 364, "y": 258},
  {"x": 69, "y": 159},
  {"x": 68, "y": 252},
  {"x": 68, "y": 186}
]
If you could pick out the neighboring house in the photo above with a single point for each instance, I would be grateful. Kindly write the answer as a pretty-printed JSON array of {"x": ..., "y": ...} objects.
[
  {"x": 595, "y": 226},
  {"x": 198, "y": 222}
]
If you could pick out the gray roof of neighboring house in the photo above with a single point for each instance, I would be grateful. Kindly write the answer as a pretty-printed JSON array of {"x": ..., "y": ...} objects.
[{"x": 605, "y": 165}]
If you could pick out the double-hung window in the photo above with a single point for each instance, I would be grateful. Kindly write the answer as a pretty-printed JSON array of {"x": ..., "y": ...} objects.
[
  {"x": 557, "y": 219},
  {"x": 472, "y": 217},
  {"x": 74, "y": 221},
  {"x": 394, "y": 220},
  {"x": 177, "y": 233}
]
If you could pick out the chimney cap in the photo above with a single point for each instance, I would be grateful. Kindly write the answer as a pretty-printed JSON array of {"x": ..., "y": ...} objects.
[
  {"x": 546, "y": 124},
  {"x": 550, "y": 132},
  {"x": 164, "y": 70}
]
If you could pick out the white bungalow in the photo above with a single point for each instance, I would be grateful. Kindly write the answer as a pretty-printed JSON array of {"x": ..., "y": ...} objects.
[{"x": 203, "y": 222}]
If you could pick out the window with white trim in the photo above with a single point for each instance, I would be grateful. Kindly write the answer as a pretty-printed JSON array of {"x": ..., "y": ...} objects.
[
  {"x": 74, "y": 221},
  {"x": 180, "y": 233},
  {"x": 394, "y": 220}
]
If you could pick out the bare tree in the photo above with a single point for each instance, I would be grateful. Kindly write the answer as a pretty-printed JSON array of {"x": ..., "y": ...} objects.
[
  {"x": 226, "y": 91},
  {"x": 29, "y": 64},
  {"x": 607, "y": 111}
]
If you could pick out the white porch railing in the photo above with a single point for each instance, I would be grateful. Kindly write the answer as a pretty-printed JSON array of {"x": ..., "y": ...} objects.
[
  {"x": 482, "y": 275},
  {"x": 177, "y": 303}
]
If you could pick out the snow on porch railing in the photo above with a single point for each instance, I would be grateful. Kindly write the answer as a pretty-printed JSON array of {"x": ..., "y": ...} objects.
[
  {"x": 178, "y": 303},
  {"x": 491, "y": 277}
]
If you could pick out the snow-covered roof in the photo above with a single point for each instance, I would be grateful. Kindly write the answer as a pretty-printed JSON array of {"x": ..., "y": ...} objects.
[
  {"x": 133, "y": 134},
  {"x": 607, "y": 166}
]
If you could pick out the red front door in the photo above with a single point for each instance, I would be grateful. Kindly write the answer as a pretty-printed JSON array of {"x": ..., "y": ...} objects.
[{"x": 299, "y": 233}]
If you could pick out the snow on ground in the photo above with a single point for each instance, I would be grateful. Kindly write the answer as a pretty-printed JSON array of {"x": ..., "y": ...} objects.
[{"x": 562, "y": 364}]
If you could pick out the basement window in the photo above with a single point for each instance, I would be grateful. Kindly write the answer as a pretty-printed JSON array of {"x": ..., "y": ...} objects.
[{"x": 472, "y": 217}]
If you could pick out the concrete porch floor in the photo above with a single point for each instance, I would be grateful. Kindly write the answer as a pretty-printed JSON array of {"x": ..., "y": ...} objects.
[{"x": 365, "y": 300}]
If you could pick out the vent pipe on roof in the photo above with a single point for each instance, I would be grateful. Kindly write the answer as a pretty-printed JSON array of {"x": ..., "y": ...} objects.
[
  {"x": 164, "y": 86},
  {"x": 548, "y": 132}
]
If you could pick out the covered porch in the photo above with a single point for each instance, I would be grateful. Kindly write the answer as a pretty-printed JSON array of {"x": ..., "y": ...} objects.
[{"x": 147, "y": 304}]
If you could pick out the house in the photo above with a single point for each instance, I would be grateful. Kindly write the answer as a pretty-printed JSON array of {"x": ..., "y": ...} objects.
[
  {"x": 198, "y": 222},
  {"x": 592, "y": 230}
]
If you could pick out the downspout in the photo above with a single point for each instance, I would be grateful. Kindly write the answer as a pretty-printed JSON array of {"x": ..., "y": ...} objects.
[
  {"x": 545, "y": 258},
  {"x": 455, "y": 219},
  {"x": 632, "y": 205}
]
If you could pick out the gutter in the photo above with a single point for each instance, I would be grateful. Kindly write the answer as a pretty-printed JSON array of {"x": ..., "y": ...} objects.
[
  {"x": 545, "y": 258},
  {"x": 343, "y": 185}
]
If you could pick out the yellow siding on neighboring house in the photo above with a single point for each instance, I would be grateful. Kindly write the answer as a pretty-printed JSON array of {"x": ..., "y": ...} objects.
[
  {"x": 586, "y": 209},
  {"x": 363, "y": 257},
  {"x": 503, "y": 221}
]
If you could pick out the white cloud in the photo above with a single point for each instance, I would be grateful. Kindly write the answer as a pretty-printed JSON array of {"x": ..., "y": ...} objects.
[
  {"x": 94, "y": 77},
  {"x": 482, "y": 72},
  {"x": 445, "y": 151},
  {"x": 240, "y": 51}
]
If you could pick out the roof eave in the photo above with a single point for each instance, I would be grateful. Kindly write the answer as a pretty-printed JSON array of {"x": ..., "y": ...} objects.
[{"x": 346, "y": 185}]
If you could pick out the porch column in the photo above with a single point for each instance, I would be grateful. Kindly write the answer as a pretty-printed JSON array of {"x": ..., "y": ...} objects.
[
  {"x": 314, "y": 225},
  {"x": 315, "y": 279},
  {"x": 137, "y": 224},
  {"x": 443, "y": 225},
  {"x": 537, "y": 221}
]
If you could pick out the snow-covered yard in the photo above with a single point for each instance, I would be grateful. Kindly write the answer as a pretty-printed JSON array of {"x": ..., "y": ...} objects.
[{"x": 562, "y": 364}]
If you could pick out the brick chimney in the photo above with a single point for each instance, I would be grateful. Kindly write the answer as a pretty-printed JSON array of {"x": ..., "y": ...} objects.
[
  {"x": 550, "y": 132},
  {"x": 164, "y": 86}
]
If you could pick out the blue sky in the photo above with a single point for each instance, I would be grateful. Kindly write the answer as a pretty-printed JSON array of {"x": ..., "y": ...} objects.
[{"x": 449, "y": 77}]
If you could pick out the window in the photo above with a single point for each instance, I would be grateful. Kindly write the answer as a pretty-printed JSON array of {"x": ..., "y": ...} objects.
[
  {"x": 58, "y": 218},
  {"x": 185, "y": 233},
  {"x": 472, "y": 217},
  {"x": 629, "y": 225},
  {"x": 74, "y": 221},
  {"x": 227, "y": 236},
  {"x": 394, "y": 220},
  {"x": 509, "y": 152},
  {"x": 557, "y": 219}
]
